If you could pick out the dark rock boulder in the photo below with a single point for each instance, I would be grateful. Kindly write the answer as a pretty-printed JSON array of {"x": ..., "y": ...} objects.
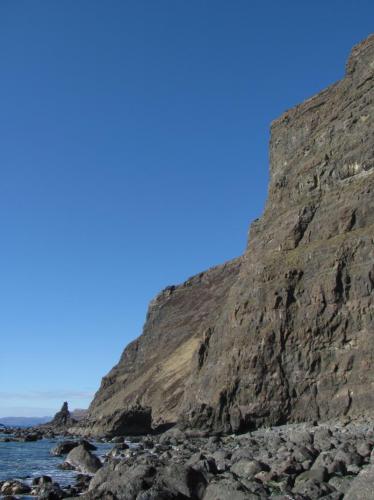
[
  {"x": 83, "y": 460},
  {"x": 65, "y": 447},
  {"x": 48, "y": 491},
  {"x": 227, "y": 489},
  {"x": 148, "y": 481},
  {"x": 14, "y": 487},
  {"x": 32, "y": 437},
  {"x": 41, "y": 480}
]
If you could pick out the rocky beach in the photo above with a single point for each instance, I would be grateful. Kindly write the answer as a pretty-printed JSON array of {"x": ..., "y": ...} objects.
[{"x": 333, "y": 460}]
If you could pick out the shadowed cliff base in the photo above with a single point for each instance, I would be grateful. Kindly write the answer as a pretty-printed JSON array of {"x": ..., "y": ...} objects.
[{"x": 284, "y": 333}]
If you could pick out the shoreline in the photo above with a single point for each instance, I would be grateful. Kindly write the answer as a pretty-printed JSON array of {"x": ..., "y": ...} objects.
[{"x": 297, "y": 461}]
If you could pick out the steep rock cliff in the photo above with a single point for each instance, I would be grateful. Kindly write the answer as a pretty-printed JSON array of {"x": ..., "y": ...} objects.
[
  {"x": 295, "y": 340},
  {"x": 147, "y": 385},
  {"x": 286, "y": 333}
]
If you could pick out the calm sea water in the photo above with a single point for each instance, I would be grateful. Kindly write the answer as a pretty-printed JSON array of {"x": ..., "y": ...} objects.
[{"x": 25, "y": 461}]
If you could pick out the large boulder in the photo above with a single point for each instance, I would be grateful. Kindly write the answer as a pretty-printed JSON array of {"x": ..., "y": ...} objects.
[
  {"x": 14, "y": 487},
  {"x": 362, "y": 487},
  {"x": 83, "y": 460},
  {"x": 64, "y": 447},
  {"x": 148, "y": 480}
]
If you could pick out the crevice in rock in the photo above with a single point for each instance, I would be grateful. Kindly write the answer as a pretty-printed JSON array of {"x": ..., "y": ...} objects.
[
  {"x": 204, "y": 347},
  {"x": 305, "y": 218}
]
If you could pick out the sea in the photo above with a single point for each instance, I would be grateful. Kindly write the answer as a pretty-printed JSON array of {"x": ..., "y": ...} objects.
[{"x": 25, "y": 461}]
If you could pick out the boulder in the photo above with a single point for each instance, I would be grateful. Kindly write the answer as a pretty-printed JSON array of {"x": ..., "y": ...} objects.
[
  {"x": 361, "y": 488},
  {"x": 227, "y": 489},
  {"x": 64, "y": 448},
  {"x": 14, "y": 487},
  {"x": 248, "y": 468},
  {"x": 41, "y": 480},
  {"x": 83, "y": 460}
]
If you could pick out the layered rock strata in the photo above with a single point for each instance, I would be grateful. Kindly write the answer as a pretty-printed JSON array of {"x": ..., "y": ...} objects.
[
  {"x": 295, "y": 340},
  {"x": 285, "y": 333}
]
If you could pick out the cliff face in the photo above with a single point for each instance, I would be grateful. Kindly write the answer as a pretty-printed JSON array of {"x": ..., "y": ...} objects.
[
  {"x": 295, "y": 340},
  {"x": 286, "y": 333},
  {"x": 151, "y": 374}
]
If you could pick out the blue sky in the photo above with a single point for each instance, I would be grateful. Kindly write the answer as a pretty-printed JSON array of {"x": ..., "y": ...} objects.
[{"x": 133, "y": 154}]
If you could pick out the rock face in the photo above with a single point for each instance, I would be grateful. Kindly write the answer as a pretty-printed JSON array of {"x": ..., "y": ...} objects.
[
  {"x": 285, "y": 333},
  {"x": 147, "y": 385}
]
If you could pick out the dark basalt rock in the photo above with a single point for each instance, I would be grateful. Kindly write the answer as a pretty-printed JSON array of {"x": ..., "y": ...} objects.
[
  {"x": 62, "y": 418},
  {"x": 83, "y": 460},
  {"x": 285, "y": 333},
  {"x": 13, "y": 487},
  {"x": 64, "y": 447}
]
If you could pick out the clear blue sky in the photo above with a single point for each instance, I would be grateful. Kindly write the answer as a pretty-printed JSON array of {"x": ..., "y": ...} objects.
[{"x": 134, "y": 154}]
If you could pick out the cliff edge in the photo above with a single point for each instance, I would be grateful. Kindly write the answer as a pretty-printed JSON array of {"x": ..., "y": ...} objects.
[{"x": 286, "y": 332}]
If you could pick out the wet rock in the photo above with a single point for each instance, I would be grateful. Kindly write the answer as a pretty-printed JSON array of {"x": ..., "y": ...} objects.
[
  {"x": 87, "y": 445},
  {"x": 117, "y": 439},
  {"x": 66, "y": 466},
  {"x": 64, "y": 448},
  {"x": 14, "y": 487},
  {"x": 83, "y": 460},
  {"x": 148, "y": 443},
  {"x": 49, "y": 491},
  {"x": 32, "y": 437},
  {"x": 41, "y": 480}
]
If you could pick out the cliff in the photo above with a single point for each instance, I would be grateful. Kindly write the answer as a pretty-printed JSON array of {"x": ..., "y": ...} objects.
[
  {"x": 151, "y": 374},
  {"x": 286, "y": 332}
]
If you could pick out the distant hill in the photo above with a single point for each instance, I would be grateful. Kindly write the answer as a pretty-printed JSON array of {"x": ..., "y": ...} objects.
[{"x": 24, "y": 421}]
